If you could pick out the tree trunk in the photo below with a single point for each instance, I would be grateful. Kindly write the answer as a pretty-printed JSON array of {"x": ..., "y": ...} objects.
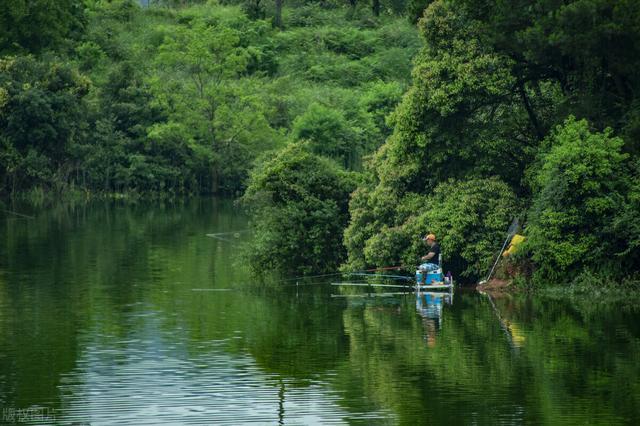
[
  {"x": 375, "y": 7},
  {"x": 277, "y": 21},
  {"x": 532, "y": 115}
]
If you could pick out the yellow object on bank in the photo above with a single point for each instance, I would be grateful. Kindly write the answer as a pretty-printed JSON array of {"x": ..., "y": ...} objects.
[{"x": 513, "y": 246}]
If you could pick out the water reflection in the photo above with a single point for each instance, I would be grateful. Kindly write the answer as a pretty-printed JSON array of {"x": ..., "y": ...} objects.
[
  {"x": 130, "y": 314},
  {"x": 512, "y": 330},
  {"x": 429, "y": 305}
]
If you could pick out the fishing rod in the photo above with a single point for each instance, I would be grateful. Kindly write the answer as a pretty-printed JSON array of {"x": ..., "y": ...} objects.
[
  {"x": 385, "y": 268},
  {"x": 373, "y": 285},
  {"x": 19, "y": 214},
  {"x": 364, "y": 274},
  {"x": 235, "y": 234},
  {"x": 217, "y": 234},
  {"x": 510, "y": 233},
  {"x": 361, "y": 273},
  {"x": 333, "y": 274},
  {"x": 302, "y": 277}
]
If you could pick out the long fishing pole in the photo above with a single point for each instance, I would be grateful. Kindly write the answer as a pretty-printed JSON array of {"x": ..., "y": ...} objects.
[
  {"x": 510, "y": 233},
  {"x": 19, "y": 214},
  {"x": 333, "y": 274},
  {"x": 373, "y": 285},
  {"x": 385, "y": 268},
  {"x": 364, "y": 274}
]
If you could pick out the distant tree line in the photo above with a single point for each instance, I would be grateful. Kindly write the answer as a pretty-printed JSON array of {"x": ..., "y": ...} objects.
[{"x": 183, "y": 97}]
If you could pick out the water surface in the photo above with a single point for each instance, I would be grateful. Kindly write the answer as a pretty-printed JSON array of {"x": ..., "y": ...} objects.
[{"x": 129, "y": 314}]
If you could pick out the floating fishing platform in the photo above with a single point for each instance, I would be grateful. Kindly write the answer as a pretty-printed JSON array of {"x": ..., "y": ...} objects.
[
  {"x": 431, "y": 287},
  {"x": 422, "y": 281},
  {"x": 406, "y": 287}
]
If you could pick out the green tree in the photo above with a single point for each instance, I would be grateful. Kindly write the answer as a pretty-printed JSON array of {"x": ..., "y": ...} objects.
[
  {"x": 379, "y": 100},
  {"x": 415, "y": 9},
  {"x": 491, "y": 82},
  {"x": 33, "y": 25},
  {"x": 299, "y": 208},
  {"x": 42, "y": 118},
  {"x": 199, "y": 89},
  {"x": 579, "y": 191},
  {"x": 328, "y": 132},
  {"x": 469, "y": 219}
]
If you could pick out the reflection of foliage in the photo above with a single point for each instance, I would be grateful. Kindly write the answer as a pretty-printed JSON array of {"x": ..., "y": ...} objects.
[
  {"x": 555, "y": 373},
  {"x": 95, "y": 268},
  {"x": 76, "y": 271}
]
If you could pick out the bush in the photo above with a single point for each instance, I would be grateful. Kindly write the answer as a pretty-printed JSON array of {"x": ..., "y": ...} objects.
[
  {"x": 298, "y": 203},
  {"x": 379, "y": 100},
  {"x": 470, "y": 219},
  {"x": 578, "y": 191},
  {"x": 326, "y": 130}
]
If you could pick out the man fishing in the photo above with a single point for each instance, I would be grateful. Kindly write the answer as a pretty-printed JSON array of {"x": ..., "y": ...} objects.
[{"x": 432, "y": 259}]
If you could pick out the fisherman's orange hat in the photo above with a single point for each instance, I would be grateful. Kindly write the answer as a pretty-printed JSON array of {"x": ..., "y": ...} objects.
[{"x": 431, "y": 237}]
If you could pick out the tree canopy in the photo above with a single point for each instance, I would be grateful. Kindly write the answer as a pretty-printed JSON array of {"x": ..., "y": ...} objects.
[{"x": 455, "y": 115}]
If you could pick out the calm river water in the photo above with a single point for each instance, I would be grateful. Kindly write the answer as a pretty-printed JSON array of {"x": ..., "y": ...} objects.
[{"x": 114, "y": 313}]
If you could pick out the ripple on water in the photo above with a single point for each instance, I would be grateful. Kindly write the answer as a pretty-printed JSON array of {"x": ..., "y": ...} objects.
[{"x": 150, "y": 387}]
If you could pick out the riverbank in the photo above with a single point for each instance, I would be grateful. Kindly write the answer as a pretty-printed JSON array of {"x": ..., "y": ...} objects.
[{"x": 585, "y": 289}]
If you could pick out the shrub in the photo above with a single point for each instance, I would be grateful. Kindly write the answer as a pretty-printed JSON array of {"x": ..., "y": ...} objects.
[
  {"x": 470, "y": 219},
  {"x": 298, "y": 203},
  {"x": 578, "y": 191},
  {"x": 327, "y": 131}
]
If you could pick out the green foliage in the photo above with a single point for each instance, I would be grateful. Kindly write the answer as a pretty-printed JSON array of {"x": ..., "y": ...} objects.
[
  {"x": 34, "y": 25},
  {"x": 328, "y": 132},
  {"x": 380, "y": 100},
  {"x": 196, "y": 86},
  {"x": 490, "y": 83},
  {"x": 299, "y": 207},
  {"x": 626, "y": 224},
  {"x": 468, "y": 217},
  {"x": 183, "y": 97},
  {"x": 40, "y": 120},
  {"x": 579, "y": 190},
  {"x": 415, "y": 9}
]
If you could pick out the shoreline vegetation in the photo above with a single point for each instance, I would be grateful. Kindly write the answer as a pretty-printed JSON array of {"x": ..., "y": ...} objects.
[
  {"x": 348, "y": 130},
  {"x": 585, "y": 289}
]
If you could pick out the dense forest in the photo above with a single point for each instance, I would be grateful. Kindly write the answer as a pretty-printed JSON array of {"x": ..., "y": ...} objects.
[
  {"x": 186, "y": 97},
  {"x": 351, "y": 128}
]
